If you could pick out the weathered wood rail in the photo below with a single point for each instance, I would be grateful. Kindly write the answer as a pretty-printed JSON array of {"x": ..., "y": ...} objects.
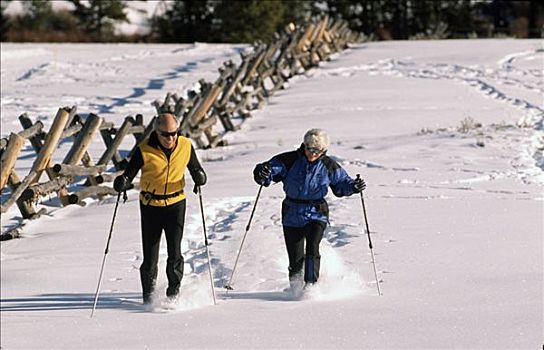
[{"x": 206, "y": 116}]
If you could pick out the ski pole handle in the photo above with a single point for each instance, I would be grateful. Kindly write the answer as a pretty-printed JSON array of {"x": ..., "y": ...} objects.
[
  {"x": 358, "y": 178},
  {"x": 197, "y": 188},
  {"x": 253, "y": 210}
]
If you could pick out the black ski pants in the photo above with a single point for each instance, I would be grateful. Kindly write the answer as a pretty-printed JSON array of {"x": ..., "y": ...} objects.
[
  {"x": 153, "y": 221},
  {"x": 310, "y": 258}
]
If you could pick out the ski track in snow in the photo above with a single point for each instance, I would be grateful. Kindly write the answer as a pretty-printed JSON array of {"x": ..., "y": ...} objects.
[
  {"x": 130, "y": 92},
  {"x": 485, "y": 80},
  {"x": 261, "y": 273},
  {"x": 438, "y": 175},
  {"x": 264, "y": 268},
  {"x": 113, "y": 66},
  {"x": 524, "y": 144}
]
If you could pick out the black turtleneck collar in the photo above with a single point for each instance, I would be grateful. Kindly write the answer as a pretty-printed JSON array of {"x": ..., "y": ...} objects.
[{"x": 154, "y": 142}]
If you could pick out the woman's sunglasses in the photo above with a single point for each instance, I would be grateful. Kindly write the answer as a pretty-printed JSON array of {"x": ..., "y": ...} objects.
[{"x": 314, "y": 150}]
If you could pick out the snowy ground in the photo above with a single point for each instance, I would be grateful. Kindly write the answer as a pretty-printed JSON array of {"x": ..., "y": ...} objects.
[{"x": 455, "y": 211}]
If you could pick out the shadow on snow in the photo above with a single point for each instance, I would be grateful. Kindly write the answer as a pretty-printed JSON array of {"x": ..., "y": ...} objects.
[
  {"x": 73, "y": 301},
  {"x": 266, "y": 296}
]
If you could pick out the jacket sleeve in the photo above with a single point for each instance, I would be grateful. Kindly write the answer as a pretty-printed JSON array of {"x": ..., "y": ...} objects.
[
  {"x": 195, "y": 169},
  {"x": 341, "y": 183},
  {"x": 281, "y": 164},
  {"x": 134, "y": 165},
  {"x": 279, "y": 167},
  {"x": 279, "y": 170}
]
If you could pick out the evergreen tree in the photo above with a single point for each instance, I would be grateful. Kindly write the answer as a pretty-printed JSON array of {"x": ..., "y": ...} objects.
[
  {"x": 458, "y": 16},
  {"x": 536, "y": 13},
  {"x": 186, "y": 21},
  {"x": 368, "y": 17},
  {"x": 362, "y": 15},
  {"x": 296, "y": 11},
  {"x": 4, "y": 23},
  {"x": 422, "y": 16},
  {"x": 245, "y": 21},
  {"x": 37, "y": 14},
  {"x": 98, "y": 16},
  {"x": 348, "y": 10},
  {"x": 227, "y": 20}
]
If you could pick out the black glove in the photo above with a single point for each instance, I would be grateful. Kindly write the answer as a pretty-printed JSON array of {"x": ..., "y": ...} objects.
[
  {"x": 261, "y": 173},
  {"x": 199, "y": 177},
  {"x": 121, "y": 183},
  {"x": 359, "y": 185}
]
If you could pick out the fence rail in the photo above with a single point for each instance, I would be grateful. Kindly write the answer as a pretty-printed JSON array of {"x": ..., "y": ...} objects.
[{"x": 206, "y": 116}]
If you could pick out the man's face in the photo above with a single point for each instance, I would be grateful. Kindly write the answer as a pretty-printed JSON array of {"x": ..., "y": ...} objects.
[{"x": 167, "y": 132}]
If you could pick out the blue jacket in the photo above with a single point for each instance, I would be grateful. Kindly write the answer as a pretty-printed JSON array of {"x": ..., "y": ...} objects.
[{"x": 306, "y": 185}]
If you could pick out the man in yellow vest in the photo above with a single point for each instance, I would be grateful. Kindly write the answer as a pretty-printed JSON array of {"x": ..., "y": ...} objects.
[{"x": 163, "y": 159}]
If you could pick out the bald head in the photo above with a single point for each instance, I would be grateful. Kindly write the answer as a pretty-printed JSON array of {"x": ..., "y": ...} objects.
[{"x": 165, "y": 121}]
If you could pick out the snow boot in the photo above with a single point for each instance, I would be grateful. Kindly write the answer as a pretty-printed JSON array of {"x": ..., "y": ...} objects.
[{"x": 296, "y": 281}]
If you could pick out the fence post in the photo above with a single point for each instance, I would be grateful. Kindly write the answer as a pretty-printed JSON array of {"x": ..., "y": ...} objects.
[
  {"x": 114, "y": 144},
  {"x": 79, "y": 149},
  {"x": 21, "y": 186},
  {"x": 9, "y": 156},
  {"x": 44, "y": 152},
  {"x": 51, "y": 141}
]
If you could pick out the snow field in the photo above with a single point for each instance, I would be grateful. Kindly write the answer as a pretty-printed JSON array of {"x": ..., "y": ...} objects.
[{"x": 455, "y": 208}]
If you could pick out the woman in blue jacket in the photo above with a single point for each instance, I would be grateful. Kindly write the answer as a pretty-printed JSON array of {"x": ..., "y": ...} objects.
[{"x": 306, "y": 173}]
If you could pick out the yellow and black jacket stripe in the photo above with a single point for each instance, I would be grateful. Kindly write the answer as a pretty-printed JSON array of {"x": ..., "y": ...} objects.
[{"x": 163, "y": 170}]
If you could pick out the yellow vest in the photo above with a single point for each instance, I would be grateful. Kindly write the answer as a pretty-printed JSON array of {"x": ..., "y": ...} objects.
[{"x": 161, "y": 176}]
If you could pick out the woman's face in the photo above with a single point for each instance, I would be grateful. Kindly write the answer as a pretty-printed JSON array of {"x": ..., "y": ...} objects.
[{"x": 312, "y": 153}]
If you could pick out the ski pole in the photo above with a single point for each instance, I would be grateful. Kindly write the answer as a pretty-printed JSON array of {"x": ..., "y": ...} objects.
[
  {"x": 106, "y": 251},
  {"x": 369, "y": 239},
  {"x": 206, "y": 243},
  {"x": 229, "y": 285}
]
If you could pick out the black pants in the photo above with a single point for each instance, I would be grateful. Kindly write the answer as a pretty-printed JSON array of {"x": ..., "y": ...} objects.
[
  {"x": 298, "y": 256},
  {"x": 154, "y": 220}
]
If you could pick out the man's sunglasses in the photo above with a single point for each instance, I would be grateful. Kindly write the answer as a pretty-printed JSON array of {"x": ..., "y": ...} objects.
[
  {"x": 168, "y": 134},
  {"x": 314, "y": 150}
]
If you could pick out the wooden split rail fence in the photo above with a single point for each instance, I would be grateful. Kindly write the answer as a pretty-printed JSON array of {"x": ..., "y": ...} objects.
[{"x": 206, "y": 115}]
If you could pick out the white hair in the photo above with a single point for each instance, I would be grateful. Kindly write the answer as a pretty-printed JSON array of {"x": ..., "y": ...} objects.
[{"x": 317, "y": 138}]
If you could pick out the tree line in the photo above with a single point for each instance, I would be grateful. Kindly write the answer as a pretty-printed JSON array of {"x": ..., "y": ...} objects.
[{"x": 229, "y": 21}]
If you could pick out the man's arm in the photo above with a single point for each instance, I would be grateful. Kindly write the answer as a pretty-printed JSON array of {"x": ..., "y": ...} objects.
[
  {"x": 123, "y": 182},
  {"x": 195, "y": 169}
]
